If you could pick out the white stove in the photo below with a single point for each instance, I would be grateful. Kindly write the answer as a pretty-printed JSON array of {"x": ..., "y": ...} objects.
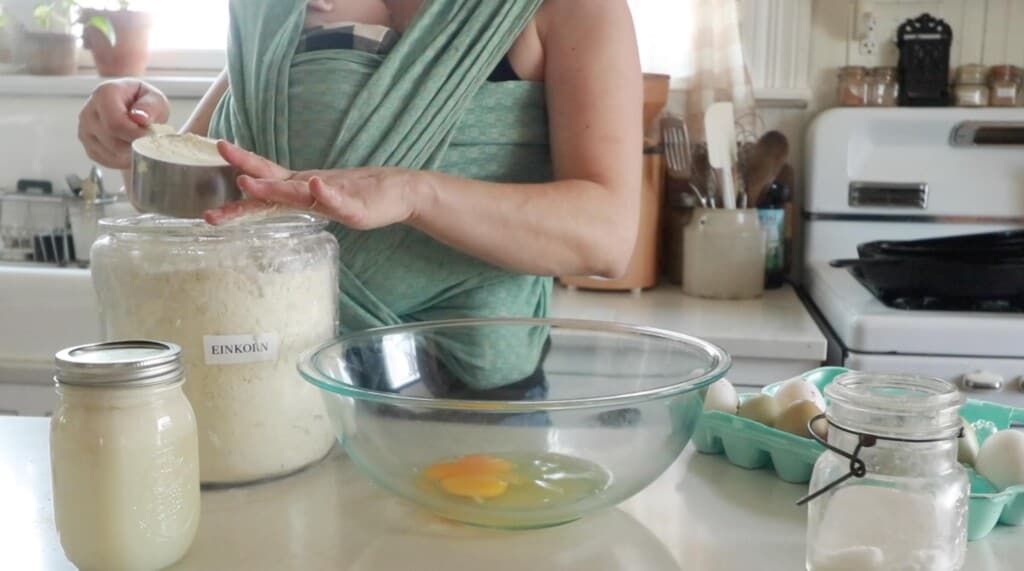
[{"x": 903, "y": 174}]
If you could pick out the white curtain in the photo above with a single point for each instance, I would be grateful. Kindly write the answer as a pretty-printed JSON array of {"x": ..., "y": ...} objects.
[{"x": 717, "y": 71}]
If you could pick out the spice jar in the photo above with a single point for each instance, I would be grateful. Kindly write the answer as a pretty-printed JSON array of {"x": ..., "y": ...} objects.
[
  {"x": 889, "y": 492},
  {"x": 882, "y": 87},
  {"x": 243, "y": 301},
  {"x": 970, "y": 89},
  {"x": 1004, "y": 85},
  {"x": 853, "y": 86},
  {"x": 124, "y": 456}
]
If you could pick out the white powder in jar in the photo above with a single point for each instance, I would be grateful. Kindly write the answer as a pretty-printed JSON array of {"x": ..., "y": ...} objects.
[
  {"x": 872, "y": 528},
  {"x": 242, "y": 311},
  {"x": 185, "y": 149}
]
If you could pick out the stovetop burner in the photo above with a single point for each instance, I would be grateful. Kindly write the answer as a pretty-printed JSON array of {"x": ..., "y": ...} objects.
[
  {"x": 939, "y": 304},
  {"x": 931, "y": 303}
]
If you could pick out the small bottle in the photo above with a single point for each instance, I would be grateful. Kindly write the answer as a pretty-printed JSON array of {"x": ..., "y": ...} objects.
[
  {"x": 771, "y": 210},
  {"x": 124, "y": 457},
  {"x": 971, "y": 89},
  {"x": 853, "y": 86}
]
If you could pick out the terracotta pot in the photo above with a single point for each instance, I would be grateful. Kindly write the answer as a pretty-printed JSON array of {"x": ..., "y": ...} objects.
[
  {"x": 48, "y": 53},
  {"x": 130, "y": 52}
]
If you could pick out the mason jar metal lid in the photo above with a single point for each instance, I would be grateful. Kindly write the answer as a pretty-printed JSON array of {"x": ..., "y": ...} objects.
[{"x": 118, "y": 364}]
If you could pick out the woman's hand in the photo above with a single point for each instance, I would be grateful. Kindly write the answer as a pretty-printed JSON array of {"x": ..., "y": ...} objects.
[
  {"x": 362, "y": 199},
  {"x": 117, "y": 113}
]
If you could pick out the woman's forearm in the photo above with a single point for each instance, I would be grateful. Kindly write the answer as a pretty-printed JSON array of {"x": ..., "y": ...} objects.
[{"x": 568, "y": 227}]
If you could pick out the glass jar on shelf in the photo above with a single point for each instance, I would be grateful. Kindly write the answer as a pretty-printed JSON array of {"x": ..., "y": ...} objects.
[
  {"x": 853, "y": 86},
  {"x": 1004, "y": 85},
  {"x": 888, "y": 493},
  {"x": 882, "y": 87},
  {"x": 970, "y": 88}
]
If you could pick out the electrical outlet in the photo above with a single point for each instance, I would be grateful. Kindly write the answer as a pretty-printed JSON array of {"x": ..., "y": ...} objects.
[{"x": 868, "y": 46}]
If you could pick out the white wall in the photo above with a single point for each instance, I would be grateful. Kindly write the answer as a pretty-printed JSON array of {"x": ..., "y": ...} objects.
[{"x": 38, "y": 138}]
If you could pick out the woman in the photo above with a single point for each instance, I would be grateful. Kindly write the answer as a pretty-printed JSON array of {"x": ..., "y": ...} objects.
[{"x": 457, "y": 219}]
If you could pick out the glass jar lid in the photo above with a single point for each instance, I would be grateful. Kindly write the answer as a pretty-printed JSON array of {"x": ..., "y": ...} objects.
[
  {"x": 971, "y": 74},
  {"x": 883, "y": 72},
  {"x": 895, "y": 406},
  {"x": 272, "y": 222},
  {"x": 853, "y": 71},
  {"x": 119, "y": 364},
  {"x": 1004, "y": 73}
]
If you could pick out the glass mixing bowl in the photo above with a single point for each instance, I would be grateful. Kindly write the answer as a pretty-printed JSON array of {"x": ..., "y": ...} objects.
[{"x": 514, "y": 423}]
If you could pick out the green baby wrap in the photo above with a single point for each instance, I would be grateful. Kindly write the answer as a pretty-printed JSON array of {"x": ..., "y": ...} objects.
[{"x": 426, "y": 105}]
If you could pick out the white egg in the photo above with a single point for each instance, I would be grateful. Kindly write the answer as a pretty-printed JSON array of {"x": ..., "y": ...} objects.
[
  {"x": 1001, "y": 459},
  {"x": 798, "y": 389},
  {"x": 760, "y": 408},
  {"x": 722, "y": 396}
]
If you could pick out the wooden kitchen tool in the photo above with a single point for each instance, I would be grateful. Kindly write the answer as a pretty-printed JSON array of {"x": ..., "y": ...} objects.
[{"x": 764, "y": 162}]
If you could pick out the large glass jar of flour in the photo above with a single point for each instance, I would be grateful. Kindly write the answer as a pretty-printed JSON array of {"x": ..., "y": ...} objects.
[
  {"x": 889, "y": 493},
  {"x": 242, "y": 301}
]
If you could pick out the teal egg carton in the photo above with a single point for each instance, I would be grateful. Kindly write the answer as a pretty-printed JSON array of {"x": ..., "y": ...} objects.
[{"x": 752, "y": 445}]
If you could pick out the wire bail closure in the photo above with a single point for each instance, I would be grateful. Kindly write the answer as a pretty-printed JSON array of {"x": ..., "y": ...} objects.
[{"x": 857, "y": 467}]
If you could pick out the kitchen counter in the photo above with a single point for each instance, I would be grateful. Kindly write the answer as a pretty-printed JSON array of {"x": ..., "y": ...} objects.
[
  {"x": 703, "y": 514},
  {"x": 46, "y": 309},
  {"x": 771, "y": 338}
]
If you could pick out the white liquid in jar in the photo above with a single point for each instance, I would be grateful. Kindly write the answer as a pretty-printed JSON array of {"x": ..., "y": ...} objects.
[{"x": 125, "y": 477}]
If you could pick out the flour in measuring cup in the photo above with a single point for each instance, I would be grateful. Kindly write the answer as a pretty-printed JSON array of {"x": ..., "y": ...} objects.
[{"x": 186, "y": 149}]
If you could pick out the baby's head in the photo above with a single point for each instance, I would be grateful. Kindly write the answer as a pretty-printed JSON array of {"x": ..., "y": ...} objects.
[
  {"x": 321, "y": 12},
  {"x": 327, "y": 12}
]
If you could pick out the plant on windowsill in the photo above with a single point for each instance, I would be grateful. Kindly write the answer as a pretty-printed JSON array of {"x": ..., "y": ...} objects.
[
  {"x": 121, "y": 49},
  {"x": 50, "y": 48},
  {"x": 6, "y": 50}
]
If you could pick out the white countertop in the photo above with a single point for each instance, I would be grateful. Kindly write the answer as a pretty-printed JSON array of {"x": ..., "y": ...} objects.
[
  {"x": 775, "y": 326},
  {"x": 702, "y": 514}
]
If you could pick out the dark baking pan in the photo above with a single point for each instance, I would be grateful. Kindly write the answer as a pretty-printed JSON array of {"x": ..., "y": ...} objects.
[
  {"x": 933, "y": 277},
  {"x": 990, "y": 247}
]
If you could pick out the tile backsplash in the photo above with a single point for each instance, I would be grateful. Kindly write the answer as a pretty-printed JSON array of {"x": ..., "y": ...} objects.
[{"x": 39, "y": 139}]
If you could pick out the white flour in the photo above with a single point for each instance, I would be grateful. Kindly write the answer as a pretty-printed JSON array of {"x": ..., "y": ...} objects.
[
  {"x": 871, "y": 528},
  {"x": 257, "y": 418},
  {"x": 187, "y": 149}
]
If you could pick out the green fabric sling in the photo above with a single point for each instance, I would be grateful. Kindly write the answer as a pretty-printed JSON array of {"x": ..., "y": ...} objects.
[{"x": 426, "y": 105}]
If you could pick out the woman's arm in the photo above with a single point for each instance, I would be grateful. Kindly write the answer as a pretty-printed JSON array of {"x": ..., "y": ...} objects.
[
  {"x": 584, "y": 223},
  {"x": 199, "y": 121}
]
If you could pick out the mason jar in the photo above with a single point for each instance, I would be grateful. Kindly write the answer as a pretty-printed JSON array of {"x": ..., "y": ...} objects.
[
  {"x": 891, "y": 494},
  {"x": 124, "y": 457},
  {"x": 242, "y": 301}
]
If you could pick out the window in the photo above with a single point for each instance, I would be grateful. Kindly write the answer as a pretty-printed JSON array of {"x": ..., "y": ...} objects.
[
  {"x": 187, "y": 34},
  {"x": 192, "y": 34},
  {"x": 187, "y": 24},
  {"x": 663, "y": 30}
]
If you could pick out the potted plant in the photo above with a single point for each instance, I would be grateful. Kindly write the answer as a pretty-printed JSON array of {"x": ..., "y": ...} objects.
[
  {"x": 52, "y": 48},
  {"x": 6, "y": 51},
  {"x": 118, "y": 39}
]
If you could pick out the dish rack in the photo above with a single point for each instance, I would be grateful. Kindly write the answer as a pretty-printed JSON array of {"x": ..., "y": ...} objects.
[
  {"x": 37, "y": 225},
  {"x": 34, "y": 226}
]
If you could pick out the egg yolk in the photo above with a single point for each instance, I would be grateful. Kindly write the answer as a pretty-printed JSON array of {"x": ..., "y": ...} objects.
[
  {"x": 474, "y": 486},
  {"x": 474, "y": 476}
]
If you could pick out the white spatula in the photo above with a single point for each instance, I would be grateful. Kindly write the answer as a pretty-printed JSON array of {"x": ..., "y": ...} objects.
[{"x": 720, "y": 129}]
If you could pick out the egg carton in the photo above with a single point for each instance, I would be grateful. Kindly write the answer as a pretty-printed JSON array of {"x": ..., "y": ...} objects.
[{"x": 752, "y": 445}]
